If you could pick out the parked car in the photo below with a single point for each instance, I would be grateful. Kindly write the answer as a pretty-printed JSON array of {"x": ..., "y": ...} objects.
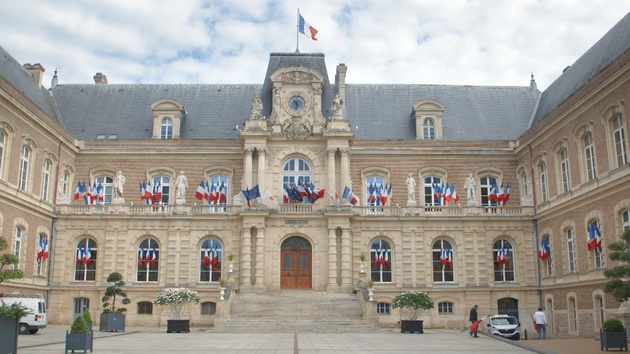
[
  {"x": 34, "y": 321},
  {"x": 505, "y": 326}
]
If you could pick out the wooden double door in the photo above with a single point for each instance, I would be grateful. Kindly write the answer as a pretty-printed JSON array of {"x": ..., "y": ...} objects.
[{"x": 296, "y": 272}]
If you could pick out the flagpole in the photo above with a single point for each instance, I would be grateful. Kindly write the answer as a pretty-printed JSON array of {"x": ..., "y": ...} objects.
[{"x": 297, "y": 32}]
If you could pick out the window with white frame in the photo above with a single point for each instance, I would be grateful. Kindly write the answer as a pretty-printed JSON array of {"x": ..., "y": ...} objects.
[
  {"x": 3, "y": 142},
  {"x": 524, "y": 183},
  {"x": 24, "y": 166},
  {"x": 86, "y": 256},
  {"x": 625, "y": 224},
  {"x": 161, "y": 189},
  {"x": 503, "y": 253},
  {"x": 381, "y": 261},
  {"x": 619, "y": 136},
  {"x": 148, "y": 260},
  {"x": 166, "y": 129},
  {"x": 542, "y": 177},
  {"x": 17, "y": 246},
  {"x": 589, "y": 156},
  {"x": 564, "y": 169},
  {"x": 211, "y": 261},
  {"x": 429, "y": 192},
  {"x": 598, "y": 257},
  {"x": 571, "y": 250},
  {"x": 445, "y": 308},
  {"x": 373, "y": 188},
  {"x": 429, "y": 129},
  {"x": 295, "y": 172},
  {"x": 65, "y": 182},
  {"x": 107, "y": 186},
  {"x": 486, "y": 185},
  {"x": 383, "y": 308},
  {"x": 46, "y": 179},
  {"x": 548, "y": 263},
  {"x": 443, "y": 262}
]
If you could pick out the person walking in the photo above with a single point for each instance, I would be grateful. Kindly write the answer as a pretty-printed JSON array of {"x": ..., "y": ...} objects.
[
  {"x": 473, "y": 320},
  {"x": 541, "y": 322}
]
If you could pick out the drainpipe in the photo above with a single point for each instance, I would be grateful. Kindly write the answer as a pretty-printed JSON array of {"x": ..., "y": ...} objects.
[{"x": 535, "y": 222}]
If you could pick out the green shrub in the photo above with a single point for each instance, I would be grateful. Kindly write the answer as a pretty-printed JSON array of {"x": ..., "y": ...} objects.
[
  {"x": 79, "y": 326},
  {"x": 86, "y": 316},
  {"x": 15, "y": 310},
  {"x": 412, "y": 303},
  {"x": 613, "y": 325}
]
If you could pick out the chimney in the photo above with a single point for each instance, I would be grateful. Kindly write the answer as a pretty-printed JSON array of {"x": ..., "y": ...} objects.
[
  {"x": 100, "y": 79},
  {"x": 37, "y": 71},
  {"x": 340, "y": 80}
]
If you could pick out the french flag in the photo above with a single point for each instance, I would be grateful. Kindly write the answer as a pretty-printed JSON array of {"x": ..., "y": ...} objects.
[
  {"x": 544, "y": 251},
  {"x": 594, "y": 238},
  {"x": 222, "y": 194},
  {"x": 77, "y": 193},
  {"x": 306, "y": 29},
  {"x": 201, "y": 190}
]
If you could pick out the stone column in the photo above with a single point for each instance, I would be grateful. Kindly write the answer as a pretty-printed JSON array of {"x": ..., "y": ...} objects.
[
  {"x": 260, "y": 258},
  {"x": 247, "y": 169},
  {"x": 345, "y": 169},
  {"x": 332, "y": 260},
  {"x": 346, "y": 264},
  {"x": 331, "y": 171},
  {"x": 246, "y": 261},
  {"x": 262, "y": 153}
]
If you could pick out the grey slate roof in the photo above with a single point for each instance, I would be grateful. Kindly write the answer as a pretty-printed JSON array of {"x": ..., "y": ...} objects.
[
  {"x": 22, "y": 80},
  {"x": 612, "y": 45}
]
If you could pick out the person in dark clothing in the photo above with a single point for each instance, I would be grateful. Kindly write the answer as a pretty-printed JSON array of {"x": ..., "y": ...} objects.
[{"x": 473, "y": 319}]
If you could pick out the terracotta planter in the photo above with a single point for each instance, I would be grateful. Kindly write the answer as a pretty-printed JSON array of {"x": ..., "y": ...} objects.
[
  {"x": 177, "y": 326},
  {"x": 411, "y": 326}
]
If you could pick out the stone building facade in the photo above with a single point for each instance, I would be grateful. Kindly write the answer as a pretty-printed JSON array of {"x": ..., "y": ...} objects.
[{"x": 563, "y": 152}]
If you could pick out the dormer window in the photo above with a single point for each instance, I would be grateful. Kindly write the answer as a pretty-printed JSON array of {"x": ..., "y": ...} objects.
[
  {"x": 428, "y": 116},
  {"x": 167, "y": 119}
]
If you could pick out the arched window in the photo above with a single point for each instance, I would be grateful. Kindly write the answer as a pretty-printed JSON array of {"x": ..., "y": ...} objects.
[
  {"x": 503, "y": 253},
  {"x": 3, "y": 144},
  {"x": 17, "y": 246},
  {"x": 542, "y": 177},
  {"x": 443, "y": 262},
  {"x": 598, "y": 301},
  {"x": 166, "y": 129},
  {"x": 563, "y": 157},
  {"x": 573, "y": 320},
  {"x": 24, "y": 166},
  {"x": 85, "y": 264},
  {"x": 429, "y": 129},
  {"x": 161, "y": 186},
  {"x": 625, "y": 224},
  {"x": 219, "y": 188},
  {"x": 589, "y": 156},
  {"x": 106, "y": 183},
  {"x": 211, "y": 261},
  {"x": 430, "y": 198},
  {"x": 295, "y": 172},
  {"x": 619, "y": 137},
  {"x": 46, "y": 179},
  {"x": 148, "y": 260},
  {"x": 445, "y": 308},
  {"x": 595, "y": 243},
  {"x": 373, "y": 187},
  {"x": 381, "y": 262},
  {"x": 145, "y": 308},
  {"x": 65, "y": 182},
  {"x": 571, "y": 251},
  {"x": 208, "y": 308},
  {"x": 487, "y": 183},
  {"x": 547, "y": 263}
]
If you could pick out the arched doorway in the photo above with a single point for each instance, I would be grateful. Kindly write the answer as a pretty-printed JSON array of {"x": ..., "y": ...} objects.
[
  {"x": 508, "y": 306},
  {"x": 296, "y": 272}
]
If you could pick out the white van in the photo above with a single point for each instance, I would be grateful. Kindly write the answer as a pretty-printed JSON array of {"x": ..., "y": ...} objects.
[
  {"x": 34, "y": 321},
  {"x": 505, "y": 326}
]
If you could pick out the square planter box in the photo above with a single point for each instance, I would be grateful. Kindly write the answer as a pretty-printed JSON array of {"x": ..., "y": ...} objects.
[
  {"x": 112, "y": 323},
  {"x": 8, "y": 335},
  {"x": 613, "y": 340},
  {"x": 82, "y": 341},
  {"x": 411, "y": 326},
  {"x": 177, "y": 326}
]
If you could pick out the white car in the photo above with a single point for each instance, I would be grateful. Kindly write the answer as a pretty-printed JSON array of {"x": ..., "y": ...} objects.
[
  {"x": 36, "y": 319},
  {"x": 505, "y": 326}
]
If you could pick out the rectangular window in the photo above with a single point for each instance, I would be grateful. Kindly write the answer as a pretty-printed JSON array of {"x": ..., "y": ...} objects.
[
  {"x": 589, "y": 157},
  {"x": 382, "y": 308},
  {"x": 571, "y": 250},
  {"x": 619, "y": 135},
  {"x": 46, "y": 179},
  {"x": 544, "y": 192},
  {"x": 564, "y": 170},
  {"x": 26, "y": 157},
  {"x": 445, "y": 308},
  {"x": 17, "y": 246},
  {"x": 3, "y": 140}
]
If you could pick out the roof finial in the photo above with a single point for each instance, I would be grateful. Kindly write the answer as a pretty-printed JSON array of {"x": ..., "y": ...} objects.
[
  {"x": 532, "y": 83},
  {"x": 54, "y": 81}
]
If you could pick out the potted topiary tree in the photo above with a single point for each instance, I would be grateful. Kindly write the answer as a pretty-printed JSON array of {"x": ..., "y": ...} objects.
[
  {"x": 113, "y": 319},
  {"x": 613, "y": 335},
  {"x": 411, "y": 305},
  {"x": 80, "y": 336},
  {"x": 9, "y": 314},
  {"x": 88, "y": 318},
  {"x": 176, "y": 299}
]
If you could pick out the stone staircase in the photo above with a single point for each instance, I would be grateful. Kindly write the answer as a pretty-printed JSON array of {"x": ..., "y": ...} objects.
[{"x": 295, "y": 311}]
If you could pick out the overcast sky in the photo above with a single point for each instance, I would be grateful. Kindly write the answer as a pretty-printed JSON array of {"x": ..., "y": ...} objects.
[{"x": 461, "y": 42}]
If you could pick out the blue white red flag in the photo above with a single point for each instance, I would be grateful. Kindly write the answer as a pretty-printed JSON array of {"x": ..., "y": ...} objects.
[
  {"x": 306, "y": 29},
  {"x": 544, "y": 251}
]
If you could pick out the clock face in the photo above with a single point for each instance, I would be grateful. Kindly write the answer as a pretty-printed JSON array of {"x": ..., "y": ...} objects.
[{"x": 297, "y": 103}]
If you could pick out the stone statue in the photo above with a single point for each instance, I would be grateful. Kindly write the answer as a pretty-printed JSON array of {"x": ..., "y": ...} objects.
[
  {"x": 119, "y": 184},
  {"x": 411, "y": 188},
  {"x": 276, "y": 104},
  {"x": 337, "y": 106},
  {"x": 470, "y": 186},
  {"x": 257, "y": 108},
  {"x": 181, "y": 185},
  {"x": 317, "y": 102}
]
